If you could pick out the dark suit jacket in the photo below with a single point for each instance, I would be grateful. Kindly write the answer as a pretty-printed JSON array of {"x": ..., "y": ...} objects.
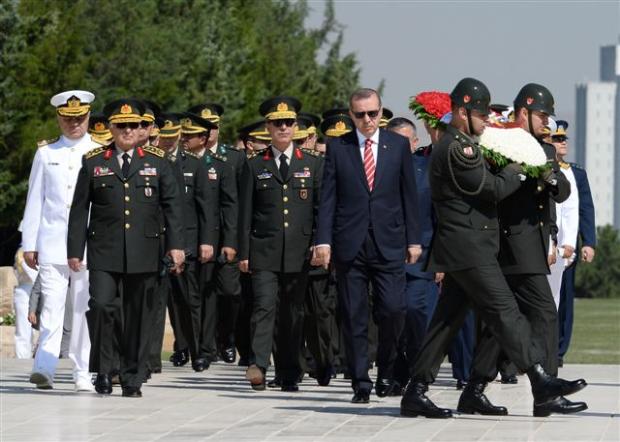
[
  {"x": 278, "y": 213},
  {"x": 421, "y": 160},
  {"x": 222, "y": 199},
  {"x": 349, "y": 209},
  {"x": 527, "y": 220},
  {"x": 123, "y": 231},
  {"x": 467, "y": 233},
  {"x": 587, "y": 226}
]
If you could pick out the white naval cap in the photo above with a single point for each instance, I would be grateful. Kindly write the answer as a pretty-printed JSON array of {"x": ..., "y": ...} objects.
[
  {"x": 552, "y": 125},
  {"x": 72, "y": 103}
]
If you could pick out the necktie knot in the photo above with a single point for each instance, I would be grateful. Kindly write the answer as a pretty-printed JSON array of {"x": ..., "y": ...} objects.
[
  {"x": 368, "y": 143},
  {"x": 283, "y": 166},
  {"x": 125, "y": 166},
  {"x": 125, "y": 156}
]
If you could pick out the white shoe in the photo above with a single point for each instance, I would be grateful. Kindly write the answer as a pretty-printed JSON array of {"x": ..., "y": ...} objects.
[
  {"x": 42, "y": 381},
  {"x": 84, "y": 385}
]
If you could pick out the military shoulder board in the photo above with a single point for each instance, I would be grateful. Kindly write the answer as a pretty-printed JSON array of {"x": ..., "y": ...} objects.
[
  {"x": 309, "y": 152},
  {"x": 228, "y": 147},
  {"x": 575, "y": 165},
  {"x": 46, "y": 142},
  {"x": 252, "y": 155},
  {"x": 154, "y": 150},
  {"x": 100, "y": 141},
  {"x": 93, "y": 152},
  {"x": 190, "y": 154},
  {"x": 217, "y": 156}
]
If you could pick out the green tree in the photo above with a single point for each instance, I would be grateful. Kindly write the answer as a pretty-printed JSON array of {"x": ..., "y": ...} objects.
[{"x": 601, "y": 278}]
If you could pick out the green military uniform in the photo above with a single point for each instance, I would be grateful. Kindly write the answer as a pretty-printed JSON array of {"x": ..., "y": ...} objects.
[
  {"x": 115, "y": 212},
  {"x": 278, "y": 220}
]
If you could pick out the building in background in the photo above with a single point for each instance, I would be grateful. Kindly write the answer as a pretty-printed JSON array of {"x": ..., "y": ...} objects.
[{"x": 597, "y": 140}]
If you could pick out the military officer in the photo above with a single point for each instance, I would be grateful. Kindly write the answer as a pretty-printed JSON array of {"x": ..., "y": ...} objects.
[
  {"x": 223, "y": 226},
  {"x": 586, "y": 233},
  {"x": 226, "y": 273},
  {"x": 98, "y": 127},
  {"x": 386, "y": 117},
  {"x": 279, "y": 199},
  {"x": 115, "y": 212},
  {"x": 465, "y": 247},
  {"x": 312, "y": 123},
  {"x": 51, "y": 186}
]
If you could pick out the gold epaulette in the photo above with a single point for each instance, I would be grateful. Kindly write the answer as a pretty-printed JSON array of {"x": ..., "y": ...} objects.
[
  {"x": 94, "y": 152},
  {"x": 217, "y": 156},
  {"x": 46, "y": 142},
  {"x": 229, "y": 147},
  {"x": 154, "y": 150},
  {"x": 310, "y": 152},
  {"x": 191, "y": 154},
  {"x": 94, "y": 139}
]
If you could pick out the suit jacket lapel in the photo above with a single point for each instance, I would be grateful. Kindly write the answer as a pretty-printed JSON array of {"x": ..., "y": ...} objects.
[
  {"x": 135, "y": 164},
  {"x": 112, "y": 163},
  {"x": 270, "y": 165},
  {"x": 356, "y": 158},
  {"x": 382, "y": 154}
]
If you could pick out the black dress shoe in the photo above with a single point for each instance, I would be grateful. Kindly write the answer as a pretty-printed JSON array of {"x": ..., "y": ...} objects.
[
  {"x": 460, "y": 384},
  {"x": 415, "y": 403},
  {"x": 473, "y": 400},
  {"x": 560, "y": 362},
  {"x": 200, "y": 364},
  {"x": 243, "y": 362},
  {"x": 290, "y": 387},
  {"x": 156, "y": 370},
  {"x": 180, "y": 357},
  {"x": 361, "y": 396},
  {"x": 103, "y": 384},
  {"x": 275, "y": 382},
  {"x": 388, "y": 387},
  {"x": 510, "y": 379},
  {"x": 229, "y": 355},
  {"x": 324, "y": 375},
  {"x": 559, "y": 405},
  {"x": 131, "y": 392}
]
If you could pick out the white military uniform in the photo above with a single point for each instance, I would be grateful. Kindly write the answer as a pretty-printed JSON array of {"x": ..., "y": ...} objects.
[
  {"x": 44, "y": 229},
  {"x": 21, "y": 298},
  {"x": 567, "y": 219}
]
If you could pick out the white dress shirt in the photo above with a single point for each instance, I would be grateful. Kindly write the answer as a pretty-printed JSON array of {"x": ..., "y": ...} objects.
[
  {"x": 375, "y": 144},
  {"x": 119, "y": 156},
  {"x": 50, "y": 193},
  {"x": 277, "y": 154}
]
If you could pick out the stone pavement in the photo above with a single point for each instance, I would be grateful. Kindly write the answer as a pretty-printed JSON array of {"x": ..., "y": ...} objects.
[{"x": 180, "y": 405}]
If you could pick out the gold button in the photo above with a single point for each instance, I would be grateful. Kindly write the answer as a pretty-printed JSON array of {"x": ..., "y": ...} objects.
[
  {"x": 126, "y": 212},
  {"x": 126, "y": 198},
  {"x": 539, "y": 188},
  {"x": 285, "y": 187},
  {"x": 69, "y": 186},
  {"x": 286, "y": 211},
  {"x": 541, "y": 224},
  {"x": 303, "y": 180},
  {"x": 541, "y": 206},
  {"x": 285, "y": 224},
  {"x": 126, "y": 185},
  {"x": 285, "y": 199},
  {"x": 103, "y": 185},
  {"x": 127, "y": 226}
]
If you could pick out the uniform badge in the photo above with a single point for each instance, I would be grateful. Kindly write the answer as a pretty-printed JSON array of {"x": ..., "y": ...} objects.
[
  {"x": 148, "y": 171},
  {"x": 148, "y": 191},
  {"x": 304, "y": 174},
  {"x": 102, "y": 171},
  {"x": 264, "y": 176},
  {"x": 303, "y": 194},
  {"x": 212, "y": 173},
  {"x": 188, "y": 174}
]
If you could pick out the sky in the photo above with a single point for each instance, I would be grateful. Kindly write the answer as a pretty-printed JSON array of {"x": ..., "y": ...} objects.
[{"x": 423, "y": 45}]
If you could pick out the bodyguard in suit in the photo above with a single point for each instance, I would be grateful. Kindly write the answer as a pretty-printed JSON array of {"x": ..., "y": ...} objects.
[
  {"x": 115, "y": 212},
  {"x": 465, "y": 246},
  {"x": 222, "y": 227},
  {"x": 368, "y": 220},
  {"x": 279, "y": 201}
]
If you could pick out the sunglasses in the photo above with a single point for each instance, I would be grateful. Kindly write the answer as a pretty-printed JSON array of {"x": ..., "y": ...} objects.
[
  {"x": 371, "y": 114},
  {"x": 145, "y": 124},
  {"x": 127, "y": 125},
  {"x": 288, "y": 122},
  {"x": 559, "y": 138}
]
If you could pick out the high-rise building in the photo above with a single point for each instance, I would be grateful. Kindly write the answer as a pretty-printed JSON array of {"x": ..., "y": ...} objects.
[{"x": 597, "y": 141}]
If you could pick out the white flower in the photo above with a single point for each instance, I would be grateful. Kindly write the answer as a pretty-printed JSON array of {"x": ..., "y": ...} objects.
[{"x": 515, "y": 144}]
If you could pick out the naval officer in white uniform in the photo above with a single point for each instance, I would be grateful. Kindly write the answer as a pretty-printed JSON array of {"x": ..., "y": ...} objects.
[{"x": 44, "y": 239}]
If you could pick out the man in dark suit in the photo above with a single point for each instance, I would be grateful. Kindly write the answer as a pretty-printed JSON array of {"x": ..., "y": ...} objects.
[
  {"x": 465, "y": 246},
  {"x": 116, "y": 207},
  {"x": 279, "y": 201},
  {"x": 368, "y": 219}
]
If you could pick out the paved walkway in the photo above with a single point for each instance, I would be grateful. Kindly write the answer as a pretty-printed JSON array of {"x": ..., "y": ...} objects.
[{"x": 180, "y": 405}]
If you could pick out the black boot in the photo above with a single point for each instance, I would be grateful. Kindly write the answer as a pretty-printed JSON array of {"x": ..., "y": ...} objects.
[
  {"x": 415, "y": 403},
  {"x": 546, "y": 387},
  {"x": 559, "y": 405},
  {"x": 473, "y": 400}
]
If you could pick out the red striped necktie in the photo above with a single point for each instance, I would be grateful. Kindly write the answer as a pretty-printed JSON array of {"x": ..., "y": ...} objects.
[{"x": 369, "y": 164}]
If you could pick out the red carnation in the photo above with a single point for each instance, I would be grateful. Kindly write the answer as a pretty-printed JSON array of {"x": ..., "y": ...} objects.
[{"x": 434, "y": 103}]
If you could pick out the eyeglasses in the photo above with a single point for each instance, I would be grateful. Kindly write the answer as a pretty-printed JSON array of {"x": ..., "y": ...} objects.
[
  {"x": 371, "y": 114},
  {"x": 288, "y": 122},
  {"x": 127, "y": 125},
  {"x": 559, "y": 138}
]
